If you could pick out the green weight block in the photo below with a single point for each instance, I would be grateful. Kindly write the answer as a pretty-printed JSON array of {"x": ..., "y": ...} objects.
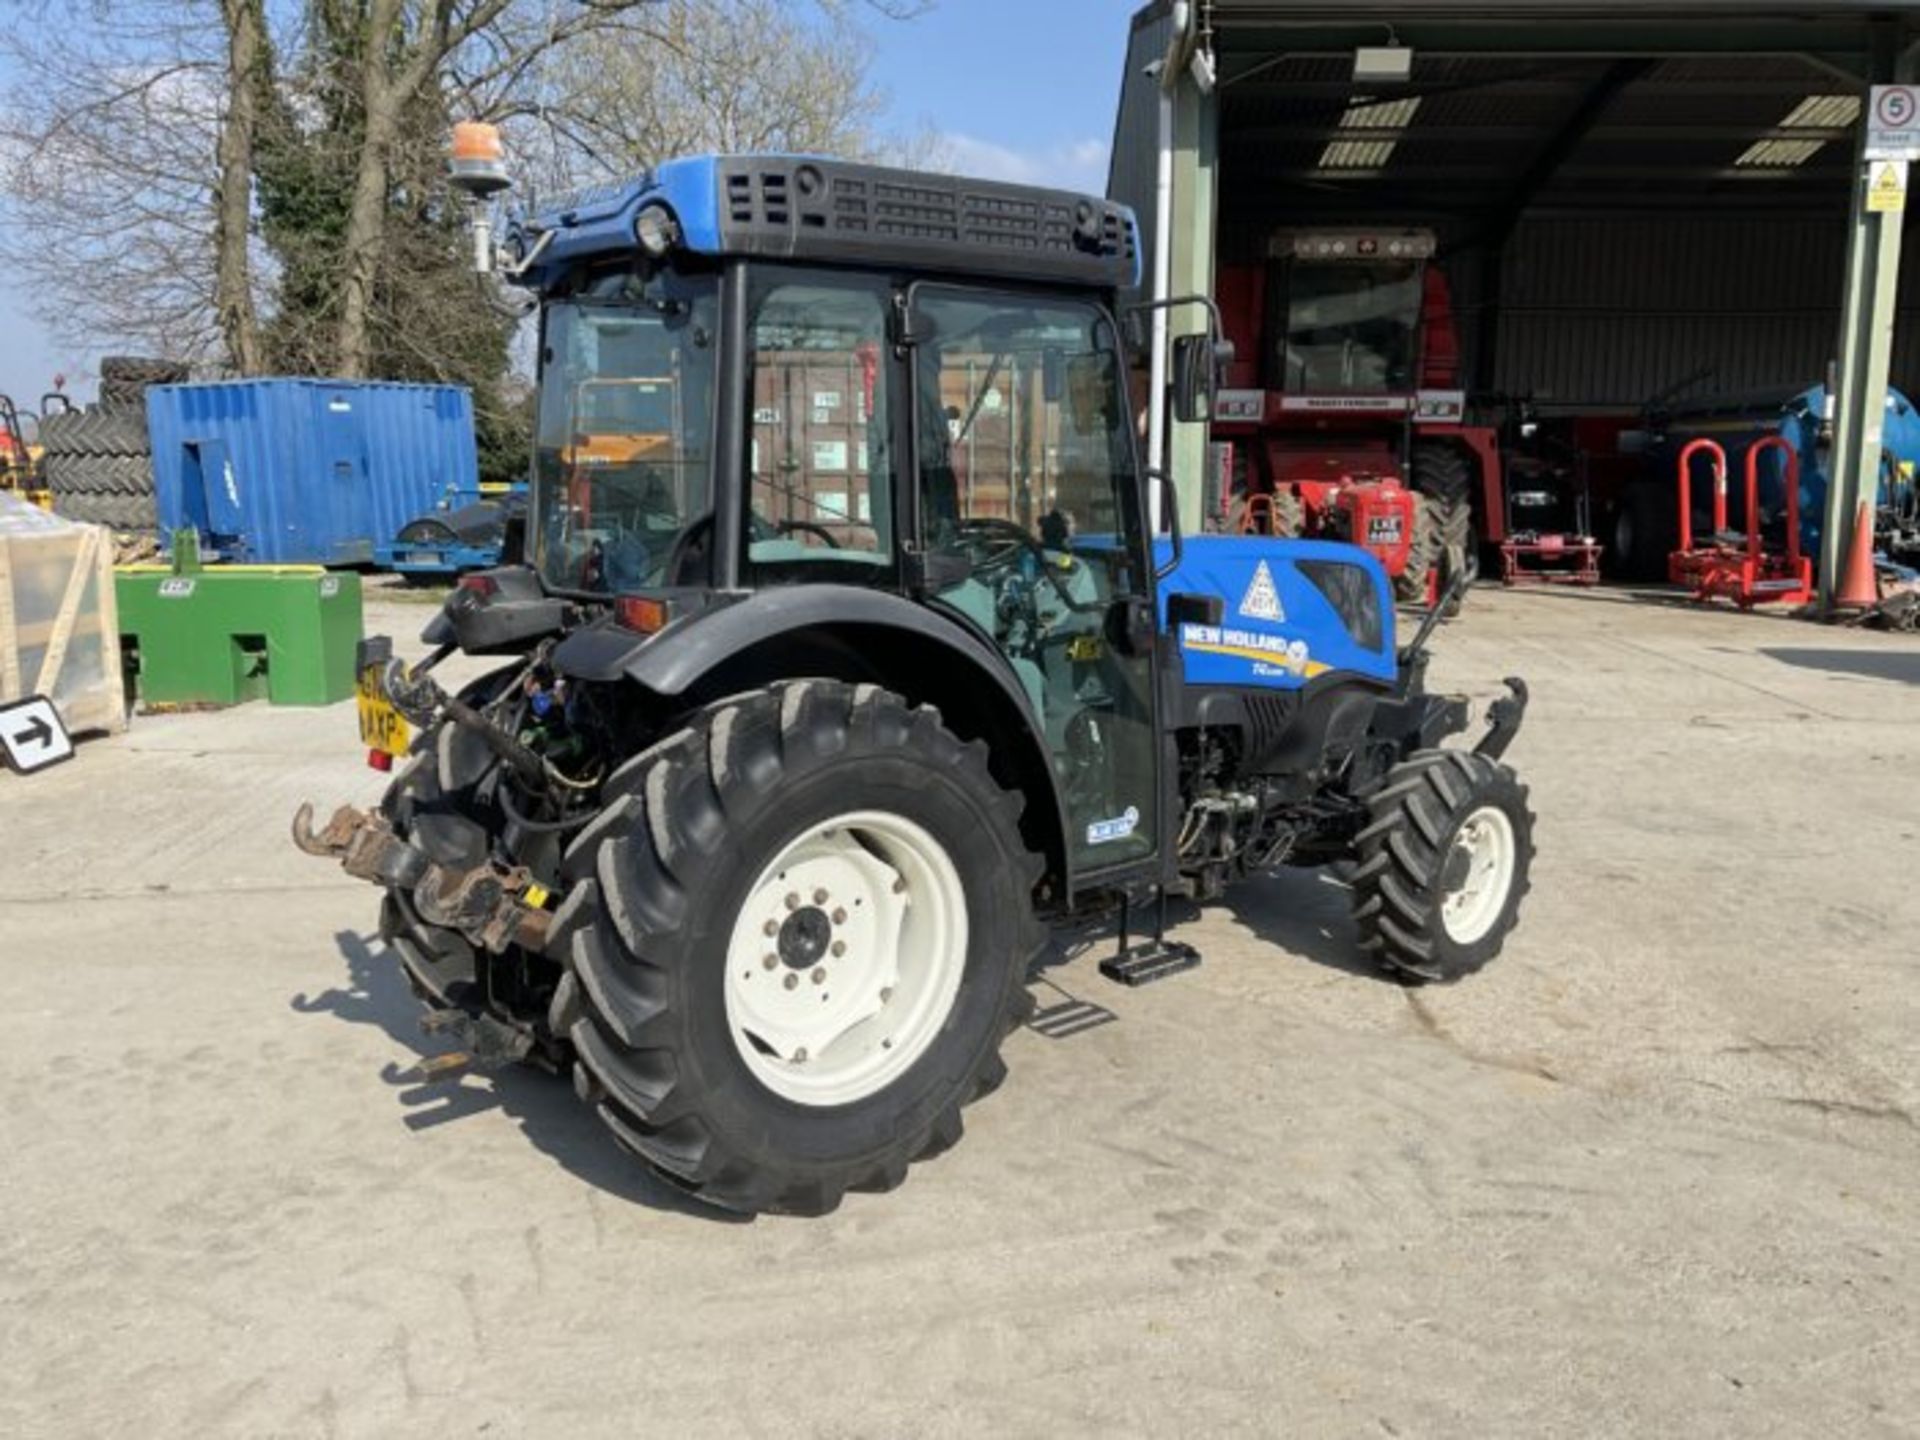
[{"x": 227, "y": 634}]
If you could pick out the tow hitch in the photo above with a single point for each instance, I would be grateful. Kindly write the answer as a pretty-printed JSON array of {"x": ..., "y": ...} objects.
[{"x": 493, "y": 906}]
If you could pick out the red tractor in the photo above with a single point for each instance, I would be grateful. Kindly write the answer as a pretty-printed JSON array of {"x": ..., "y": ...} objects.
[{"x": 1345, "y": 409}]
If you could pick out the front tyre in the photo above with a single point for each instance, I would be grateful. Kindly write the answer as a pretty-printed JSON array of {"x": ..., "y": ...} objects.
[
  {"x": 1443, "y": 865},
  {"x": 797, "y": 945}
]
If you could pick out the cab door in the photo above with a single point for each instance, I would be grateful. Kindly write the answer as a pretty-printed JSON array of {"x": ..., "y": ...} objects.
[{"x": 1028, "y": 511}]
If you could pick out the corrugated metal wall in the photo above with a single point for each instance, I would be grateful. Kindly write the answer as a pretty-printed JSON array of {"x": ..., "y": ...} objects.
[{"x": 1608, "y": 312}]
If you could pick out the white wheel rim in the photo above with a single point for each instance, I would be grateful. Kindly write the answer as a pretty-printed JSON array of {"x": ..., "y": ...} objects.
[
  {"x": 846, "y": 959},
  {"x": 1470, "y": 907}
]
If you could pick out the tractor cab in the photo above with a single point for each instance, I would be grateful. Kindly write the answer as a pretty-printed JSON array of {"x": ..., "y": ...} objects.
[
  {"x": 1345, "y": 324},
  {"x": 740, "y": 412}
]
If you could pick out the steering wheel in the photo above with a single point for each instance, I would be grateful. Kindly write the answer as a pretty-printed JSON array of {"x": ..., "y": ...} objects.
[
  {"x": 787, "y": 527},
  {"x": 1016, "y": 541},
  {"x": 976, "y": 532}
]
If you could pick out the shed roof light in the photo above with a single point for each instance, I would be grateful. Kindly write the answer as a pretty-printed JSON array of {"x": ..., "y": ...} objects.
[
  {"x": 1373, "y": 152},
  {"x": 1816, "y": 112}
]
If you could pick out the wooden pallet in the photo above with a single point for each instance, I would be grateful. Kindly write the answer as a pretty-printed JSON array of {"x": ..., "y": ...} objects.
[{"x": 36, "y": 646}]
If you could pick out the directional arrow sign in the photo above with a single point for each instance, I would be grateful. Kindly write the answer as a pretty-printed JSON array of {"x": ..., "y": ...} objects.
[{"x": 32, "y": 735}]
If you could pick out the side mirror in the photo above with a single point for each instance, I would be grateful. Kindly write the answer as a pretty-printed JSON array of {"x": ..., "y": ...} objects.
[
  {"x": 1197, "y": 361},
  {"x": 1193, "y": 381}
]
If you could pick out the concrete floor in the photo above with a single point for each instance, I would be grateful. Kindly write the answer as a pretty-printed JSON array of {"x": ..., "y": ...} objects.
[{"x": 1655, "y": 1172}]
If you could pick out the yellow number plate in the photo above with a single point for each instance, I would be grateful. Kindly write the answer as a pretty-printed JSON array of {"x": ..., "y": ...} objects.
[{"x": 381, "y": 726}]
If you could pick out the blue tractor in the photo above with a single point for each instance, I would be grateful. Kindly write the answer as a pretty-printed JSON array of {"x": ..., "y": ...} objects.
[{"x": 847, "y": 664}]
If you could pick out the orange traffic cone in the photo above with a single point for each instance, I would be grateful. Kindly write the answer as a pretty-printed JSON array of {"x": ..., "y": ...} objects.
[{"x": 1859, "y": 589}]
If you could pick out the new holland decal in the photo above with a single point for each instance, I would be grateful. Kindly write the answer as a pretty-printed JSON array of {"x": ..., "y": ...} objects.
[{"x": 1270, "y": 654}]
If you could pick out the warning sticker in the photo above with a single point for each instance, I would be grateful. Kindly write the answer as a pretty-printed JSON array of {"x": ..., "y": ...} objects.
[
  {"x": 1262, "y": 600},
  {"x": 1887, "y": 190}
]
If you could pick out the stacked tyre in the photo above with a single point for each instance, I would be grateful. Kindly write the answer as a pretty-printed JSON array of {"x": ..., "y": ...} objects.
[{"x": 99, "y": 463}]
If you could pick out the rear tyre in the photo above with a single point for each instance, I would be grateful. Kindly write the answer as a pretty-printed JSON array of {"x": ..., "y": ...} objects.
[
  {"x": 1444, "y": 863},
  {"x": 1646, "y": 527},
  {"x": 446, "y": 802},
  {"x": 141, "y": 370},
  {"x": 1444, "y": 475},
  {"x": 796, "y": 946}
]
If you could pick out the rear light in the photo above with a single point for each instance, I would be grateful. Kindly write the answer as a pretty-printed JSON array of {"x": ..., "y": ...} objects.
[
  {"x": 379, "y": 760},
  {"x": 641, "y": 612},
  {"x": 485, "y": 586}
]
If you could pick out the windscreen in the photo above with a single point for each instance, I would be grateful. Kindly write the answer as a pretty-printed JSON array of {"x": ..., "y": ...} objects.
[
  {"x": 1351, "y": 328},
  {"x": 622, "y": 460}
]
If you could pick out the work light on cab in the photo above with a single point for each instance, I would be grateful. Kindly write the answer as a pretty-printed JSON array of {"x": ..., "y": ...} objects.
[{"x": 654, "y": 227}]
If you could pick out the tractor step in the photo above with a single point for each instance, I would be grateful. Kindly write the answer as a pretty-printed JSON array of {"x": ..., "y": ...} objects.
[{"x": 1148, "y": 961}]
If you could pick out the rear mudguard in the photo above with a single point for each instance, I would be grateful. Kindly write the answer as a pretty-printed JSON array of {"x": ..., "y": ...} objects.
[{"x": 841, "y": 632}]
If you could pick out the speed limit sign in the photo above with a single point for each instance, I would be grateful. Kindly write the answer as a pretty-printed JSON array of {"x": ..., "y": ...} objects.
[{"x": 1893, "y": 123}]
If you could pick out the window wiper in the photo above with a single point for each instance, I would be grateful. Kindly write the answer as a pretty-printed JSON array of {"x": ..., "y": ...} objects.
[{"x": 993, "y": 373}]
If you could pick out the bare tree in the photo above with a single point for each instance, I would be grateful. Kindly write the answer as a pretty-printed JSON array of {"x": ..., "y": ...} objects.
[
  {"x": 720, "y": 75},
  {"x": 108, "y": 170},
  {"x": 132, "y": 138},
  {"x": 249, "y": 81}
]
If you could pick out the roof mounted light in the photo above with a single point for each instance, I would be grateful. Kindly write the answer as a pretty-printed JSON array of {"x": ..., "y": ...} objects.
[
  {"x": 478, "y": 164},
  {"x": 656, "y": 229}
]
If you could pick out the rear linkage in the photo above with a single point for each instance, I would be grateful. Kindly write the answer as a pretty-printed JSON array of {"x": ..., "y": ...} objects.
[{"x": 494, "y": 906}]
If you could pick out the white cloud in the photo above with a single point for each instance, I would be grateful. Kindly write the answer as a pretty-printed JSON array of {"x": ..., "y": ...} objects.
[{"x": 1065, "y": 165}]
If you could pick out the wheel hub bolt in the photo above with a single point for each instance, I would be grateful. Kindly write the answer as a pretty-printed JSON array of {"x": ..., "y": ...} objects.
[
  {"x": 839, "y": 948},
  {"x": 820, "y": 897},
  {"x": 770, "y": 961},
  {"x": 791, "y": 981},
  {"x": 839, "y": 917},
  {"x": 772, "y": 927},
  {"x": 819, "y": 974},
  {"x": 793, "y": 900}
]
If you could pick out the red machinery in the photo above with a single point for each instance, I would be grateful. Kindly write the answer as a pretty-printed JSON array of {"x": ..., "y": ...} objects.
[
  {"x": 1741, "y": 567},
  {"x": 1550, "y": 560},
  {"x": 1379, "y": 515},
  {"x": 1345, "y": 408},
  {"x": 1549, "y": 502}
]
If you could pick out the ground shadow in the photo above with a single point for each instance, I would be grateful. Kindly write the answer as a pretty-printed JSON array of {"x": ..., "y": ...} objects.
[
  {"x": 543, "y": 1105},
  {"x": 1305, "y": 913},
  {"x": 1308, "y": 913},
  {"x": 1898, "y": 665}
]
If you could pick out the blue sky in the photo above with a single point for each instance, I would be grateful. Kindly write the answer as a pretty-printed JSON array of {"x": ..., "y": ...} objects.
[{"x": 1015, "y": 89}]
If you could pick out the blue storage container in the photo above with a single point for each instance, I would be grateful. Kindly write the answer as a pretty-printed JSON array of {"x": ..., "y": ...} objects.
[{"x": 305, "y": 471}]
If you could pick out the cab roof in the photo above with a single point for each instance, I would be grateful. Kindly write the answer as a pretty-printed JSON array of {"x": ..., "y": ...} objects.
[{"x": 814, "y": 208}]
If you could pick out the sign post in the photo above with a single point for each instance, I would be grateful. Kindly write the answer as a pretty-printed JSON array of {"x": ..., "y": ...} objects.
[{"x": 1889, "y": 141}]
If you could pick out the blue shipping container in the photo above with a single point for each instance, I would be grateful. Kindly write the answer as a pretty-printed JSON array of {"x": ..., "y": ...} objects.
[{"x": 305, "y": 471}]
